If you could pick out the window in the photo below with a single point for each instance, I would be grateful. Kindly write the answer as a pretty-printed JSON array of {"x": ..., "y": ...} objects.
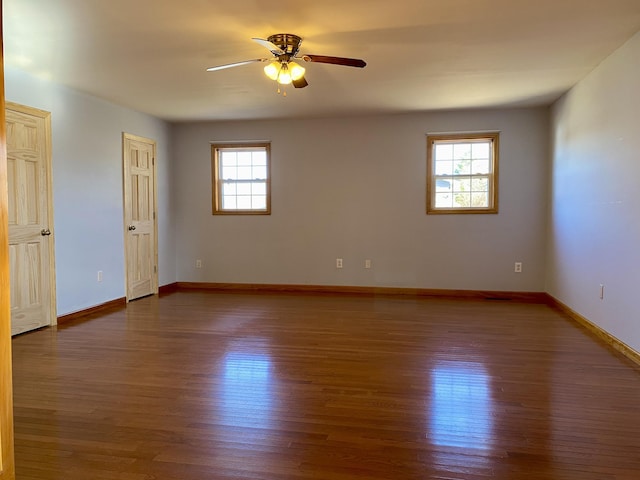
[
  {"x": 462, "y": 173},
  {"x": 241, "y": 180}
]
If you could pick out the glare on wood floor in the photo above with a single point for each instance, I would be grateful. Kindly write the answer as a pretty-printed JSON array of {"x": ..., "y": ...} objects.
[{"x": 201, "y": 385}]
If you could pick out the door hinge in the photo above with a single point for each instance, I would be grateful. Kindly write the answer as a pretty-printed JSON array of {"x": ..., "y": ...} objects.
[
  {"x": 154, "y": 215},
  {"x": 155, "y": 269}
]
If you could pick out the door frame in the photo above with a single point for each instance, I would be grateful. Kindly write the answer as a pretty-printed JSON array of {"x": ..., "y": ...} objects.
[
  {"x": 7, "y": 462},
  {"x": 46, "y": 116},
  {"x": 126, "y": 212}
]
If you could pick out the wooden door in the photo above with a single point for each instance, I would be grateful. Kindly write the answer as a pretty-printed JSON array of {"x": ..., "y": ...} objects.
[
  {"x": 31, "y": 255},
  {"x": 140, "y": 224},
  {"x": 7, "y": 467}
]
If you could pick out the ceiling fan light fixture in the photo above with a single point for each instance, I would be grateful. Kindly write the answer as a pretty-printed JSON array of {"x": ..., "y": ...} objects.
[
  {"x": 284, "y": 77},
  {"x": 273, "y": 70},
  {"x": 297, "y": 71}
]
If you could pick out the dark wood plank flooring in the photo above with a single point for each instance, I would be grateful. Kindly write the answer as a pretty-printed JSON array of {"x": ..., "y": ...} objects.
[{"x": 203, "y": 385}]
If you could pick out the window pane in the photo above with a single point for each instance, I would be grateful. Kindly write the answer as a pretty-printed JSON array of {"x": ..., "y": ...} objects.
[
  {"x": 229, "y": 173},
  {"x": 480, "y": 150},
  {"x": 228, "y": 158},
  {"x": 462, "y": 200},
  {"x": 480, "y": 184},
  {"x": 479, "y": 199},
  {"x": 258, "y": 188},
  {"x": 229, "y": 203},
  {"x": 259, "y": 202},
  {"x": 244, "y": 159},
  {"x": 259, "y": 172},
  {"x": 443, "y": 151},
  {"x": 244, "y": 173},
  {"x": 259, "y": 158},
  {"x": 444, "y": 200},
  {"x": 244, "y": 202},
  {"x": 462, "y": 167},
  {"x": 444, "y": 167},
  {"x": 244, "y": 189},
  {"x": 480, "y": 166},
  {"x": 229, "y": 189},
  {"x": 462, "y": 185},
  {"x": 462, "y": 150},
  {"x": 444, "y": 184}
]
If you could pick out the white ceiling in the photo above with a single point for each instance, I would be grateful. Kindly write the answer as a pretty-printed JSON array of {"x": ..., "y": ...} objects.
[{"x": 151, "y": 55}]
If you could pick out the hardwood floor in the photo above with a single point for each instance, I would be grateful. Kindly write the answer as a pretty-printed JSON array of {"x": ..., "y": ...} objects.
[{"x": 202, "y": 385}]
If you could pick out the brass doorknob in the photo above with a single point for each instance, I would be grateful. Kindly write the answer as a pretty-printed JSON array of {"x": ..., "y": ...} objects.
[
  {"x": 132, "y": 227},
  {"x": 45, "y": 232}
]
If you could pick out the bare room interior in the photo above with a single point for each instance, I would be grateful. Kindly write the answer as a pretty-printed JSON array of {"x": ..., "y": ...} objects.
[{"x": 320, "y": 240}]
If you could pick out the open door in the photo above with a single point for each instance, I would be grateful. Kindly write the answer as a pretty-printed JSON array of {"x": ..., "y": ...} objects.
[
  {"x": 7, "y": 466},
  {"x": 31, "y": 252}
]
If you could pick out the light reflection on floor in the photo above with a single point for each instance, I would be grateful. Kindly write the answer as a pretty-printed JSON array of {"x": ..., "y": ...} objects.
[
  {"x": 461, "y": 410},
  {"x": 246, "y": 389}
]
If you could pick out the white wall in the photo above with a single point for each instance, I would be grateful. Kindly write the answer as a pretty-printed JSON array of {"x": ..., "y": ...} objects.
[
  {"x": 87, "y": 188},
  {"x": 594, "y": 222},
  {"x": 355, "y": 188}
]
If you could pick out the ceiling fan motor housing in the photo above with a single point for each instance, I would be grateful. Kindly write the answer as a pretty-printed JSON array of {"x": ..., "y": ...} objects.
[{"x": 287, "y": 42}]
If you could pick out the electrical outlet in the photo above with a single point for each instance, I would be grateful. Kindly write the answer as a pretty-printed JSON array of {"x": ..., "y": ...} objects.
[
  {"x": 518, "y": 267},
  {"x": 367, "y": 263},
  {"x": 198, "y": 263},
  {"x": 99, "y": 275},
  {"x": 338, "y": 263}
]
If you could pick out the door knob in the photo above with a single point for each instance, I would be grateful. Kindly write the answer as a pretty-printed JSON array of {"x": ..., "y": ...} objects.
[
  {"x": 45, "y": 232},
  {"x": 132, "y": 227}
]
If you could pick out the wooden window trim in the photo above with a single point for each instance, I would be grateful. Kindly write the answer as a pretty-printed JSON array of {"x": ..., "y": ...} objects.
[
  {"x": 494, "y": 137},
  {"x": 216, "y": 181}
]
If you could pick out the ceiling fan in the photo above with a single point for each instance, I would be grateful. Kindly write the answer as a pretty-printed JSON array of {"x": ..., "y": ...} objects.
[{"x": 284, "y": 47}]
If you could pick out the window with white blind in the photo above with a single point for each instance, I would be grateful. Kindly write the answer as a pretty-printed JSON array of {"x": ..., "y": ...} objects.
[
  {"x": 241, "y": 180},
  {"x": 462, "y": 173}
]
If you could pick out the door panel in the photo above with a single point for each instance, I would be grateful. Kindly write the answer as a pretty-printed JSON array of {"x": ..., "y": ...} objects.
[
  {"x": 27, "y": 300},
  {"x": 139, "y": 215},
  {"x": 30, "y": 218}
]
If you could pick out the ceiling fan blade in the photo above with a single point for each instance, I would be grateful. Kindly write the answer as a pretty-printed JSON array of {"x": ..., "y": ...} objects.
[
  {"x": 237, "y": 64},
  {"x": 347, "y": 62},
  {"x": 300, "y": 83},
  {"x": 276, "y": 50}
]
